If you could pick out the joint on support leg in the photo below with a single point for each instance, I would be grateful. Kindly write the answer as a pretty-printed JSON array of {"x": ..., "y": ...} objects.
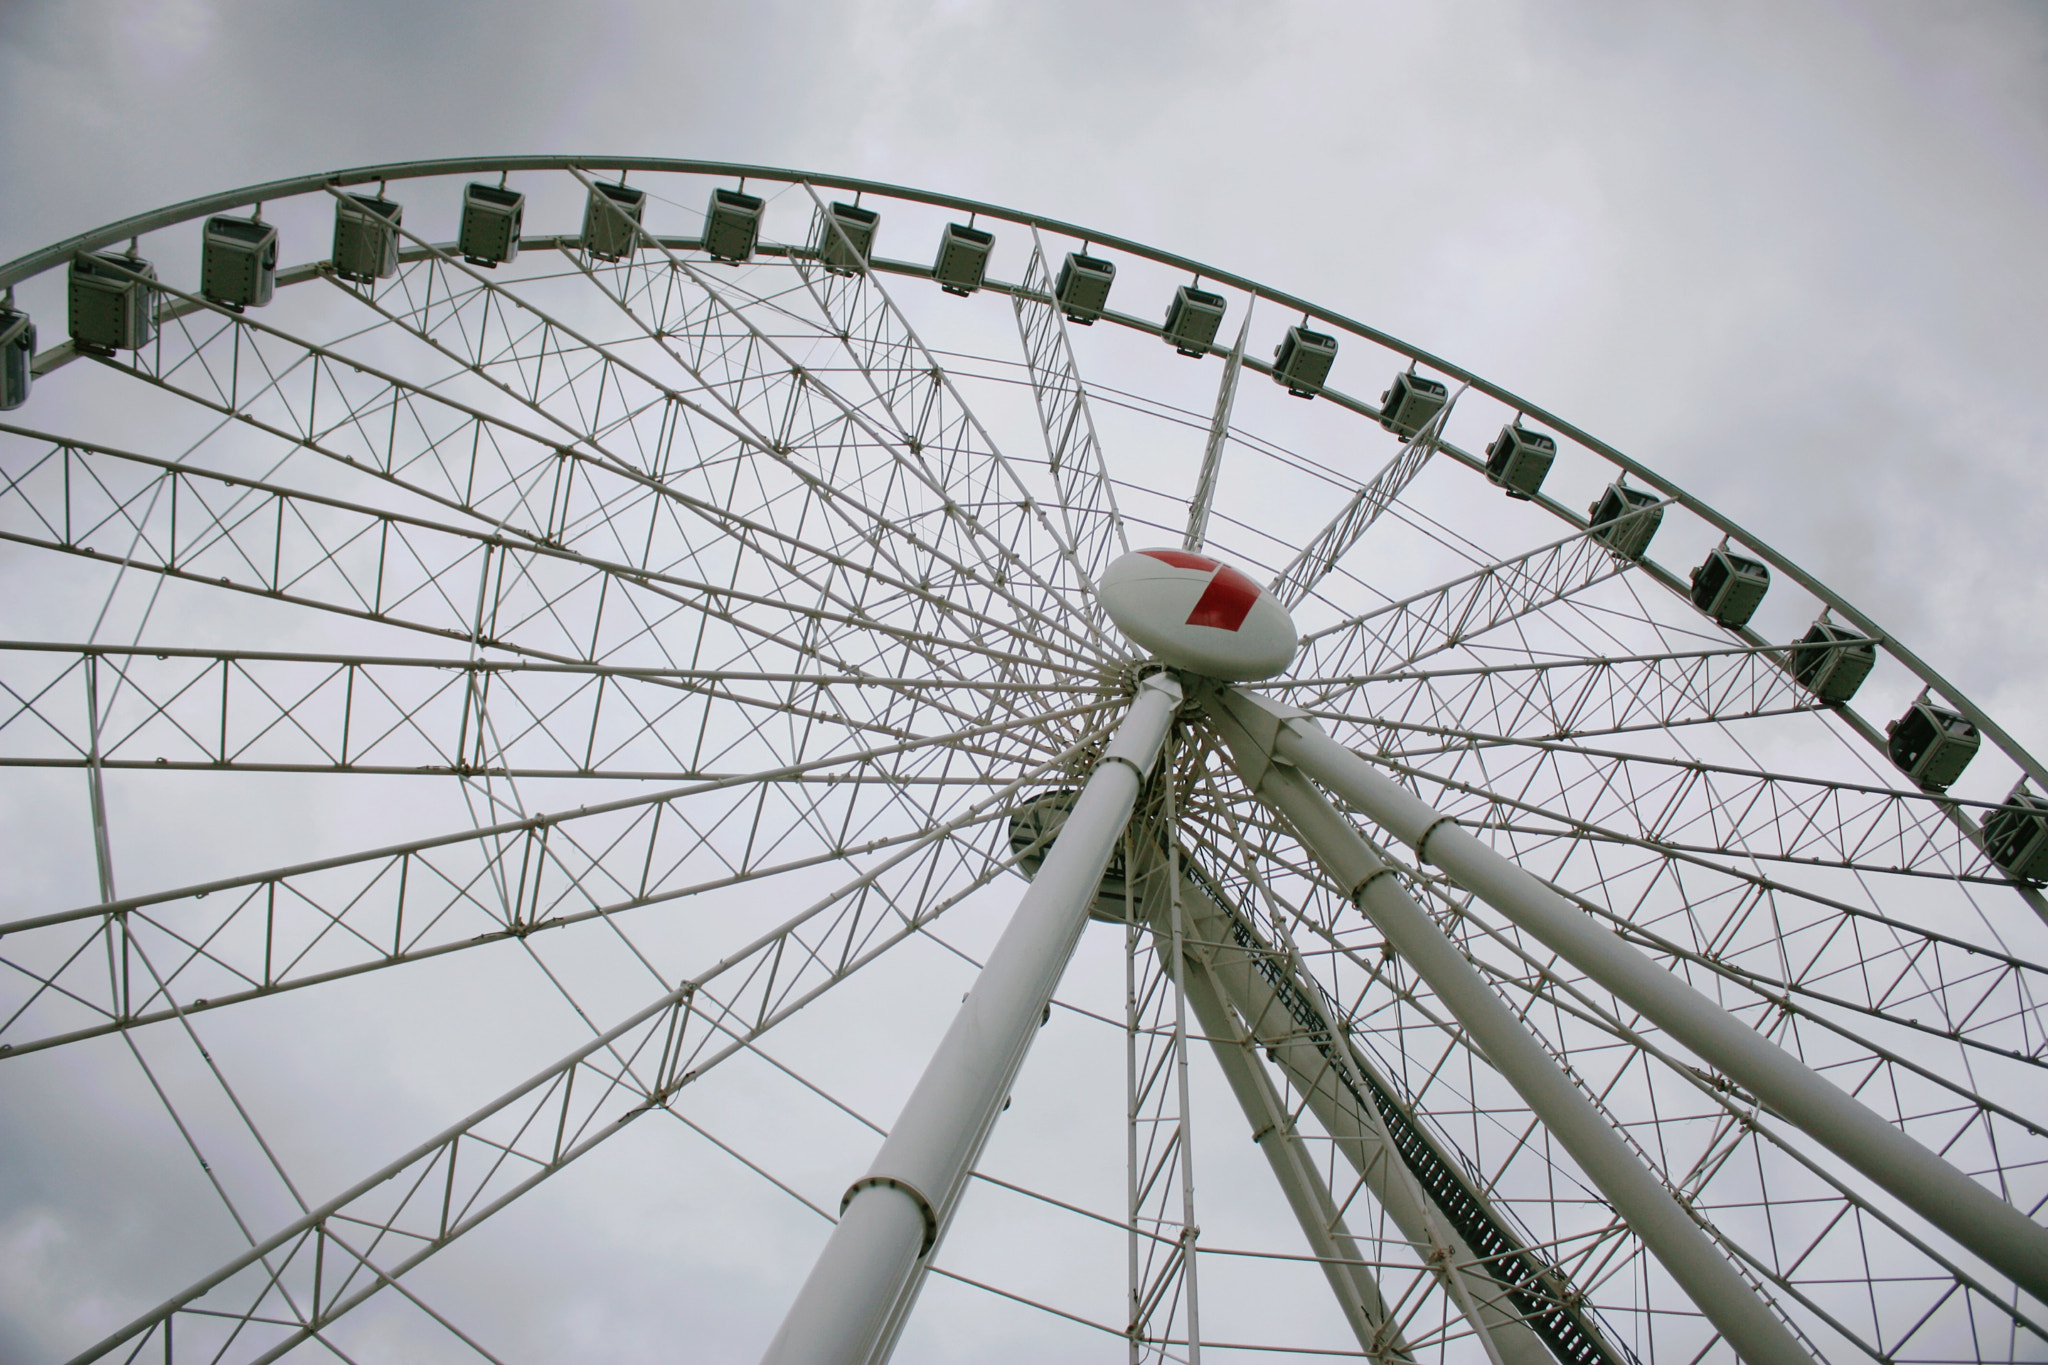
[
  {"x": 1108, "y": 759},
  {"x": 1422, "y": 844},
  {"x": 1143, "y": 750},
  {"x": 1358, "y": 891},
  {"x": 924, "y": 1205}
]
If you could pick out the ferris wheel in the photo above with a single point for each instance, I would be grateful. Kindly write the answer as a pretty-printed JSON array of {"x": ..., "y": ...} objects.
[{"x": 645, "y": 632}]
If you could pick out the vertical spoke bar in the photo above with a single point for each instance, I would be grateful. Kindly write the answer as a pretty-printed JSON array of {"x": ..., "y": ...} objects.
[{"x": 1219, "y": 435}]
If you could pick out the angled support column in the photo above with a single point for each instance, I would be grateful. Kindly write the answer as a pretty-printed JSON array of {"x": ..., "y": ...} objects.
[
  {"x": 850, "y": 1309},
  {"x": 1512, "y": 1327},
  {"x": 1976, "y": 1218},
  {"x": 1679, "y": 1243},
  {"x": 1351, "y": 1280}
]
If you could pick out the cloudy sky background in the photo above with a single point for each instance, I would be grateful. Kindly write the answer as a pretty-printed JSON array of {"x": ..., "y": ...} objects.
[{"x": 1788, "y": 254}]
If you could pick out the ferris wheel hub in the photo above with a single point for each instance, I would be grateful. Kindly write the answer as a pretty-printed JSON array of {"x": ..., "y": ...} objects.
[{"x": 1199, "y": 614}]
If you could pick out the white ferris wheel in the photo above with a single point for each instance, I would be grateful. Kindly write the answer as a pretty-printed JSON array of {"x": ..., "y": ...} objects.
[{"x": 691, "y": 594}]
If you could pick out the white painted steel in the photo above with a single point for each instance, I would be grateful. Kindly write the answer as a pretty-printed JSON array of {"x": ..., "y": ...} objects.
[
  {"x": 1351, "y": 1281},
  {"x": 1219, "y": 435},
  {"x": 893, "y": 1216},
  {"x": 1360, "y": 1134},
  {"x": 1985, "y": 1224},
  {"x": 1678, "y": 1243}
]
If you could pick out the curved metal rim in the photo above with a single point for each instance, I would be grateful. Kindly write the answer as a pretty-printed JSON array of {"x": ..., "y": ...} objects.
[{"x": 37, "y": 262}]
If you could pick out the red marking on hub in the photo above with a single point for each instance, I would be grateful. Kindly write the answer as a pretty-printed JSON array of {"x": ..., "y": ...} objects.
[
  {"x": 1182, "y": 559},
  {"x": 1226, "y": 602}
]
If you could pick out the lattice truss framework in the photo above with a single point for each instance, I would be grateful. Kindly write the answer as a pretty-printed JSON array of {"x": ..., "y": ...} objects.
[{"x": 750, "y": 583}]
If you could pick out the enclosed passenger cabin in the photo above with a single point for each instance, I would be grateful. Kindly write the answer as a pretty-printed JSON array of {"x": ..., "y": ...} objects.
[
  {"x": 962, "y": 258},
  {"x": 113, "y": 307},
  {"x": 732, "y": 225},
  {"x": 17, "y": 351},
  {"x": 492, "y": 218},
  {"x": 1410, "y": 401},
  {"x": 611, "y": 221},
  {"x": 1624, "y": 519},
  {"x": 1931, "y": 745},
  {"x": 238, "y": 262},
  {"x": 1302, "y": 360},
  {"x": 1832, "y": 662},
  {"x": 1033, "y": 828},
  {"x": 2016, "y": 835},
  {"x": 1518, "y": 459},
  {"x": 1729, "y": 586},
  {"x": 843, "y": 235},
  {"x": 366, "y": 237},
  {"x": 1083, "y": 288},
  {"x": 1192, "y": 319}
]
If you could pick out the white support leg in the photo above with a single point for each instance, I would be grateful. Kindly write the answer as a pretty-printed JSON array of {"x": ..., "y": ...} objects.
[
  {"x": 892, "y": 1217},
  {"x": 1351, "y": 1280},
  {"x": 1361, "y": 1135},
  {"x": 1679, "y": 1243},
  {"x": 1978, "y": 1219}
]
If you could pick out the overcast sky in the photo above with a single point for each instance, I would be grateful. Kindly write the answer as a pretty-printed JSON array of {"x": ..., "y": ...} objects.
[{"x": 1788, "y": 253}]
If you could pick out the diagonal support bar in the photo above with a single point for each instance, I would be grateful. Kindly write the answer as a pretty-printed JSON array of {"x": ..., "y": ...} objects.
[
  {"x": 1677, "y": 1241},
  {"x": 1349, "y": 526},
  {"x": 892, "y": 1217},
  {"x": 1219, "y": 435},
  {"x": 1946, "y": 1197},
  {"x": 1514, "y": 1304},
  {"x": 1073, "y": 452},
  {"x": 1351, "y": 1280}
]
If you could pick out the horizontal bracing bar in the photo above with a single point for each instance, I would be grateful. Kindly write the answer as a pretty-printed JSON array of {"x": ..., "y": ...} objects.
[
  {"x": 1567, "y": 698},
  {"x": 1565, "y": 790},
  {"x": 455, "y": 582},
  {"x": 1400, "y": 634}
]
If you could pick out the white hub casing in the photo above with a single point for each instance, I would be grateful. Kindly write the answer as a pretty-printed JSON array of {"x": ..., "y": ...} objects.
[{"x": 1199, "y": 614}]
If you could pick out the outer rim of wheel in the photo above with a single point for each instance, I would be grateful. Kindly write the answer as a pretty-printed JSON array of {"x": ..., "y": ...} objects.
[{"x": 49, "y": 258}]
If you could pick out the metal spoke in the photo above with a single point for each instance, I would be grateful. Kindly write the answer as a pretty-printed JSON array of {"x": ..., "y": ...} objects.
[
  {"x": 243, "y": 938},
  {"x": 1219, "y": 435},
  {"x": 453, "y": 313},
  {"x": 273, "y": 712},
  {"x": 1406, "y": 632},
  {"x": 1574, "y": 698},
  {"x": 1355, "y": 518},
  {"x": 420, "y": 1203},
  {"x": 1073, "y": 451}
]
